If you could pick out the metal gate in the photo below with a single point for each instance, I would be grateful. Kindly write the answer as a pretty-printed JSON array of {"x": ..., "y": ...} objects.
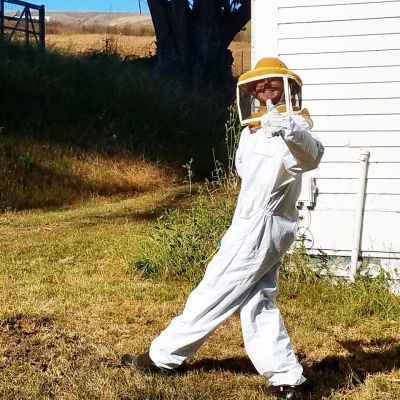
[{"x": 22, "y": 21}]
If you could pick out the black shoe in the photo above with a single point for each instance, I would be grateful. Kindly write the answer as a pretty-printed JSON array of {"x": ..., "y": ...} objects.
[
  {"x": 143, "y": 363},
  {"x": 285, "y": 392}
]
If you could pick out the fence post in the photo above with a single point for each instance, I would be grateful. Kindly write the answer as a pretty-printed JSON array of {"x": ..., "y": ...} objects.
[
  {"x": 42, "y": 24},
  {"x": 1, "y": 19},
  {"x": 26, "y": 12}
]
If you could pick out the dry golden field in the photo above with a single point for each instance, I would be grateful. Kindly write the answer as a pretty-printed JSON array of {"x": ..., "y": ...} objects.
[{"x": 136, "y": 46}]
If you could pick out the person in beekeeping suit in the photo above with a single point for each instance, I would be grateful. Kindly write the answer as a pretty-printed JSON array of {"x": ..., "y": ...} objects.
[{"x": 275, "y": 148}]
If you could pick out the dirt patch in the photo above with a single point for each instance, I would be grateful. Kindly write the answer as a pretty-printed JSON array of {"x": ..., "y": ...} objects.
[{"x": 38, "y": 342}]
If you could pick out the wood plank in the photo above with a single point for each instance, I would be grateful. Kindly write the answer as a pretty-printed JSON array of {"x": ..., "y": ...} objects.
[
  {"x": 312, "y": 3},
  {"x": 370, "y": 90},
  {"x": 380, "y": 232},
  {"x": 334, "y": 230},
  {"x": 351, "y": 169},
  {"x": 359, "y": 106},
  {"x": 349, "y": 75},
  {"x": 351, "y": 154},
  {"x": 347, "y": 202},
  {"x": 343, "y": 12},
  {"x": 356, "y": 122},
  {"x": 330, "y": 229},
  {"x": 375, "y": 139},
  {"x": 345, "y": 254},
  {"x": 359, "y": 139},
  {"x": 374, "y": 186},
  {"x": 337, "y": 44},
  {"x": 323, "y": 59},
  {"x": 339, "y": 28}
]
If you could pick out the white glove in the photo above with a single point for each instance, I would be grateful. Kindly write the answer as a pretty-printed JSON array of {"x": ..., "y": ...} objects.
[{"x": 272, "y": 122}]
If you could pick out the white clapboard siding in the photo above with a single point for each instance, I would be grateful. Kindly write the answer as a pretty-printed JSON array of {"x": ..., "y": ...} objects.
[
  {"x": 321, "y": 59},
  {"x": 375, "y": 139},
  {"x": 387, "y": 157},
  {"x": 348, "y": 56},
  {"x": 359, "y": 139},
  {"x": 331, "y": 3},
  {"x": 359, "y": 106},
  {"x": 357, "y": 122},
  {"x": 340, "y": 28},
  {"x": 325, "y": 226},
  {"x": 338, "y": 44},
  {"x": 370, "y": 90},
  {"x": 350, "y": 11},
  {"x": 374, "y": 186},
  {"x": 344, "y": 170},
  {"x": 379, "y": 232},
  {"x": 347, "y": 202},
  {"x": 349, "y": 75}
]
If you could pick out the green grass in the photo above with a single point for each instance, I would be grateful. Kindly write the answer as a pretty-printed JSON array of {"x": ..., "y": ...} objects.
[
  {"x": 75, "y": 127},
  {"x": 102, "y": 102},
  {"x": 70, "y": 305}
]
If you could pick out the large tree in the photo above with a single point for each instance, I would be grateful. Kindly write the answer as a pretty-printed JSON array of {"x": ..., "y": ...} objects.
[{"x": 193, "y": 35}]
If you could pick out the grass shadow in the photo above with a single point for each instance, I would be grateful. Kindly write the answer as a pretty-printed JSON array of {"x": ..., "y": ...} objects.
[
  {"x": 336, "y": 372},
  {"x": 241, "y": 365},
  {"x": 111, "y": 104}
]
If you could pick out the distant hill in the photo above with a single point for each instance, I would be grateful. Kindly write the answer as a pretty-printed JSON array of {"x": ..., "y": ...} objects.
[
  {"x": 67, "y": 22},
  {"x": 110, "y": 19}
]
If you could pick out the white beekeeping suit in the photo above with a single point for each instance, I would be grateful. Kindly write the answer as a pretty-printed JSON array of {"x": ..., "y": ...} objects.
[{"x": 273, "y": 152}]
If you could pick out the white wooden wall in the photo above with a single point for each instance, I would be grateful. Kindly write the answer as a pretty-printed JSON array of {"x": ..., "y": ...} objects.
[{"x": 348, "y": 56}]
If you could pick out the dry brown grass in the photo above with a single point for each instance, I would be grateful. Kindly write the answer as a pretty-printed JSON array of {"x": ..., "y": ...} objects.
[
  {"x": 140, "y": 46},
  {"x": 137, "y": 46},
  {"x": 37, "y": 174},
  {"x": 71, "y": 306}
]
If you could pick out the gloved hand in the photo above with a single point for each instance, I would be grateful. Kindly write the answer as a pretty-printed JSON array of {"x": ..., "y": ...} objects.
[{"x": 272, "y": 121}]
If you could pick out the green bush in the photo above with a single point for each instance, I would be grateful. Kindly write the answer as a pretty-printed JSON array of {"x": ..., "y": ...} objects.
[
  {"x": 183, "y": 242},
  {"x": 336, "y": 299}
]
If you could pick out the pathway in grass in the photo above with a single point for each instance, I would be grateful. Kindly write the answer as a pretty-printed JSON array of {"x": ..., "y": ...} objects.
[{"x": 70, "y": 306}]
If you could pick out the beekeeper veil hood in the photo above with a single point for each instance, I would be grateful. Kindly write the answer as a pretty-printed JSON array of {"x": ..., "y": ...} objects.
[{"x": 270, "y": 79}]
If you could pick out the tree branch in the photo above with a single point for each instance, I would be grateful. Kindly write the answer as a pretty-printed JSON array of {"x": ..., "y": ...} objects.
[{"x": 234, "y": 21}]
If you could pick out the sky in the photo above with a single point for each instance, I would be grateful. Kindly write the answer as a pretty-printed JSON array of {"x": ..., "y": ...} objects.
[{"x": 93, "y": 5}]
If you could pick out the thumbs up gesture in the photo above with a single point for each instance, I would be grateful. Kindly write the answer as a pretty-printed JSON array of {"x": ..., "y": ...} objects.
[{"x": 271, "y": 122}]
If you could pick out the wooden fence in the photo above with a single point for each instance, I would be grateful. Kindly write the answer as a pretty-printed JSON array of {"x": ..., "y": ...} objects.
[{"x": 20, "y": 20}]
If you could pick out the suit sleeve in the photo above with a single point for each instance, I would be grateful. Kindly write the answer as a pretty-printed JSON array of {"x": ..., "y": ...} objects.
[{"x": 305, "y": 149}]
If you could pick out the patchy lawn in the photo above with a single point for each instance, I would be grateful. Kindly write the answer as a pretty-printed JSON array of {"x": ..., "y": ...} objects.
[{"x": 70, "y": 306}]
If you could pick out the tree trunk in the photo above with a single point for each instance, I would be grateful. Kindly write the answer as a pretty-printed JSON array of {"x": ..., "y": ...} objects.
[{"x": 192, "y": 41}]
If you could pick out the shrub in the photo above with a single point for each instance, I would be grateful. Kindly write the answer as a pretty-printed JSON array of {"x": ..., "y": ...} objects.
[{"x": 182, "y": 243}]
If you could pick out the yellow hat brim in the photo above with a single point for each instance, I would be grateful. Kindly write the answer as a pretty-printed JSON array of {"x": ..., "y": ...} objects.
[{"x": 262, "y": 72}]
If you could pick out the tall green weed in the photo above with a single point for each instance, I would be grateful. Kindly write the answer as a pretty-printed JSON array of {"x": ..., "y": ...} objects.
[
  {"x": 304, "y": 279},
  {"x": 184, "y": 241}
]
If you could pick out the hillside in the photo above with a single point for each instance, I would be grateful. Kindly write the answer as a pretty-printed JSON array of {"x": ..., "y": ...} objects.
[{"x": 94, "y": 18}]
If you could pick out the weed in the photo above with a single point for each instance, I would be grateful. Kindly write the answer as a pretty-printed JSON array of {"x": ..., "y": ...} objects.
[
  {"x": 182, "y": 243},
  {"x": 341, "y": 302},
  {"x": 189, "y": 174}
]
